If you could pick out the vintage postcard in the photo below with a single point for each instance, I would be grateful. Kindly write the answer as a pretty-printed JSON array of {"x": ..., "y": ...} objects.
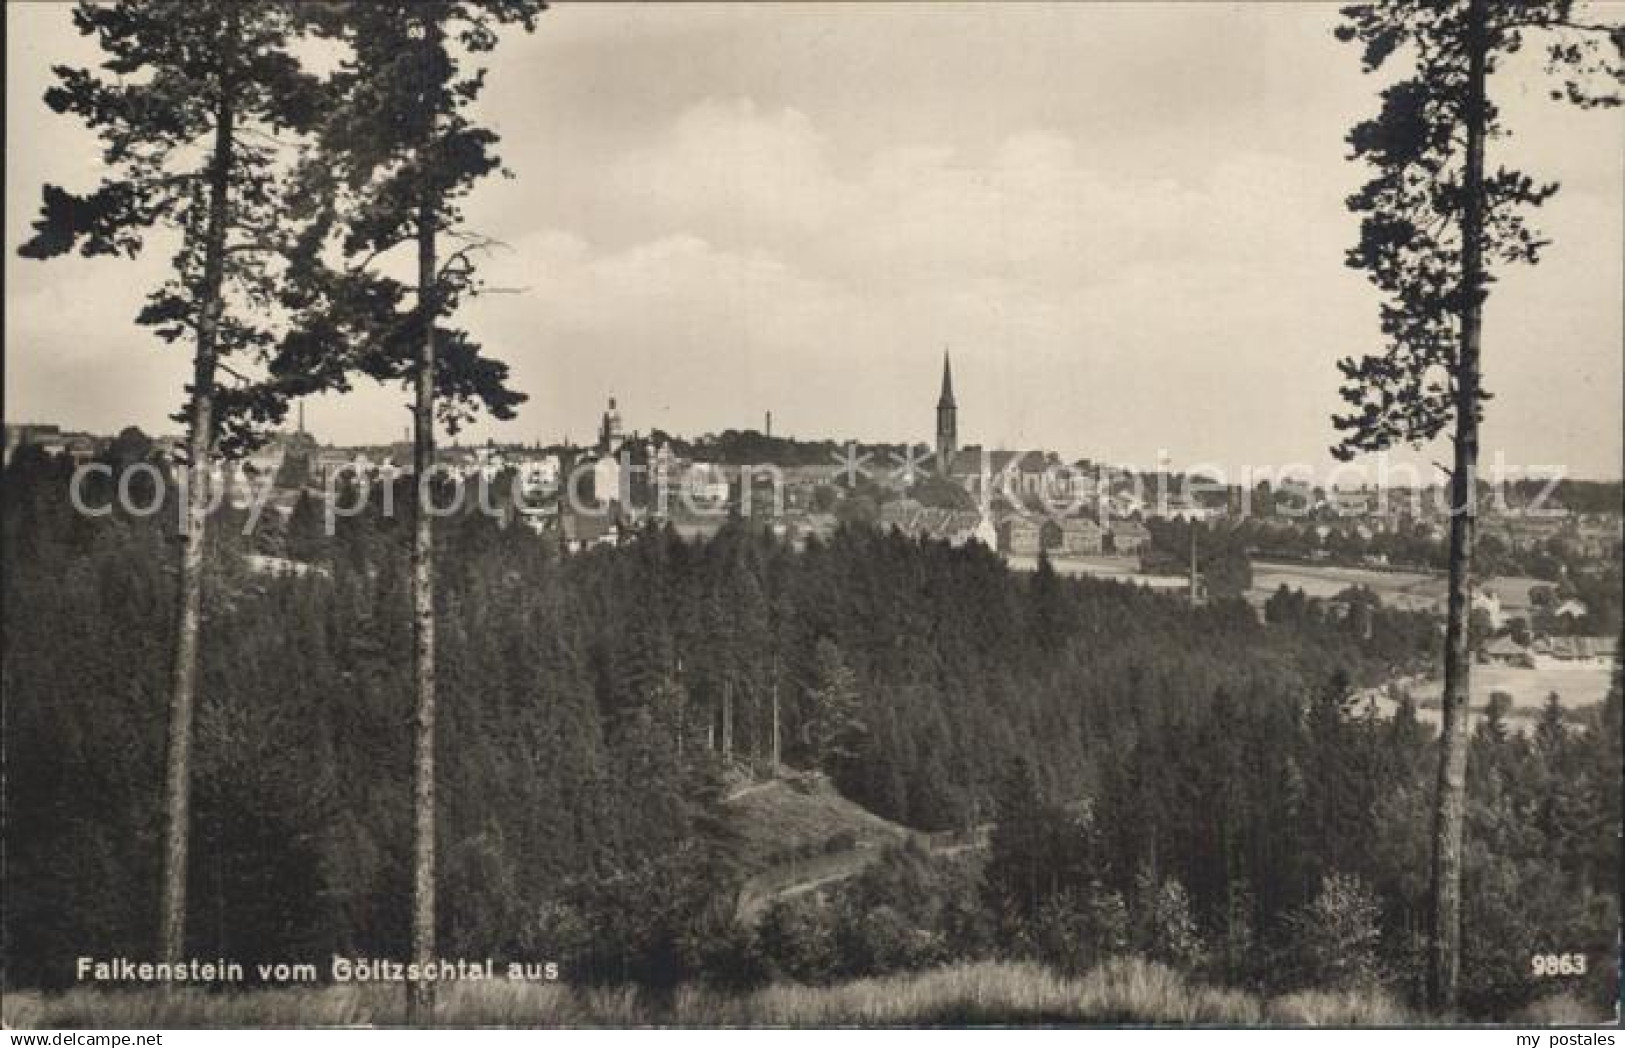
[{"x": 812, "y": 514}]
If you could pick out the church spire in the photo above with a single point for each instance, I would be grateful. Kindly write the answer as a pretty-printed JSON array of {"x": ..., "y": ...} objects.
[{"x": 947, "y": 420}]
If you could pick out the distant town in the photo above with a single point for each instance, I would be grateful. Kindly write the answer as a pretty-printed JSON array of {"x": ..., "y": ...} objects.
[{"x": 1548, "y": 551}]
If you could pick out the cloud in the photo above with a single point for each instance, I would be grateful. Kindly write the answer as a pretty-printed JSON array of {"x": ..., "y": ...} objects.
[
  {"x": 1031, "y": 209},
  {"x": 1126, "y": 220},
  {"x": 781, "y": 278},
  {"x": 725, "y": 164}
]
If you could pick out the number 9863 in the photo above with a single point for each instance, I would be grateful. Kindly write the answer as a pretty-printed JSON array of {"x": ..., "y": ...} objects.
[{"x": 1558, "y": 964}]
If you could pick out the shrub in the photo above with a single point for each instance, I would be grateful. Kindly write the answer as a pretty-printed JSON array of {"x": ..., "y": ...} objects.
[
  {"x": 1334, "y": 937},
  {"x": 1164, "y": 927},
  {"x": 797, "y": 939},
  {"x": 1072, "y": 934},
  {"x": 882, "y": 940},
  {"x": 1513, "y": 911},
  {"x": 728, "y": 955}
]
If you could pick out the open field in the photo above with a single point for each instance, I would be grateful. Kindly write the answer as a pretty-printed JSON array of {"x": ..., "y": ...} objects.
[
  {"x": 1400, "y": 589},
  {"x": 1115, "y": 569},
  {"x": 1406, "y": 589},
  {"x": 1123, "y": 991},
  {"x": 1577, "y": 684},
  {"x": 1411, "y": 590}
]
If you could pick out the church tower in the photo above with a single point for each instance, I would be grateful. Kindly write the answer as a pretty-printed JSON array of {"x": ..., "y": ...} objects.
[
  {"x": 947, "y": 420},
  {"x": 609, "y": 431}
]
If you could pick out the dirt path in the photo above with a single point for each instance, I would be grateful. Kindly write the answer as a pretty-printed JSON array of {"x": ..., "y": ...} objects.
[
  {"x": 806, "y": 875},
  {"x": 750, "y": 788}
]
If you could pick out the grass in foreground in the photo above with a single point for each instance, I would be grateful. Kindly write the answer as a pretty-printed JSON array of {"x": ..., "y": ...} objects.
[{"x": 1128, "y": 991}]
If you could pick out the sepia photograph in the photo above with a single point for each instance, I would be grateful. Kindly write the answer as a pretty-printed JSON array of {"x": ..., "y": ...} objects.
[{"x": 812, "y": 515}]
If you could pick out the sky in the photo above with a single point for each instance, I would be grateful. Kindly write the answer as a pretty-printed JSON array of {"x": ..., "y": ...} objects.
[{"x": 1124, "y": 220}]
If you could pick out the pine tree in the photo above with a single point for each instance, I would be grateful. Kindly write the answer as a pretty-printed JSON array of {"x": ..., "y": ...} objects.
[
  {"x": 177, "y": 73},
  {"x": 405, "y": 153},
  {"x": 834, "y": 723},
  {"x": 1016, "y": 879},
  {"x": 1433, "y": 225}
]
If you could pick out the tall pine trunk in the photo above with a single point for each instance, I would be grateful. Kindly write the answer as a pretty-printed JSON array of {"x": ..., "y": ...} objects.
[
  {"x": 1450, "y": 812},
  {"x": 420, "y": 992},
  {"x": 192, "y": 538}
]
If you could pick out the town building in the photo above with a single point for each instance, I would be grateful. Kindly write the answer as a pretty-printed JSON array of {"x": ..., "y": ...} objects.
[
  {"x": 537, "y": 475},
  {"x": 1021, "y": 536},
  {"x": 52, "y": 440},
  {"x": 1128, "y": 537},
  {"x": 1507, "y": 651},
  {"x": 953, "y": 526},
  {"x": 1081, "y": 537}
]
